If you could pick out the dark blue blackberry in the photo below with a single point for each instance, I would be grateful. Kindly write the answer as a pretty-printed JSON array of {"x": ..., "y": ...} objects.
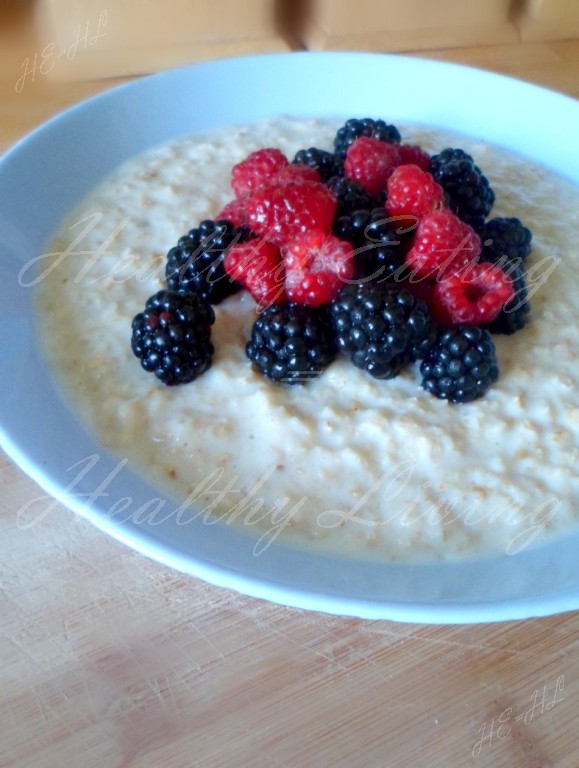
[
  {"x": 172, "y": 336},
  {"x": 353, "y": 129},
  {"x": 461, "y": 365},
  {"x": 381, "y": 244},
  {"x": 506, "y": 238},
  {"x": 292, "y": 343},
  {"x": 195, "y": 264},
  {"x": 467, "y": 190},
  {"x": 352, "y": 226},
  {"x": 325, "y": 163},
  {"x": 507, "y": 244},
  {"x": 350, "y": 196},
  {"x": 381, "y": 327}
]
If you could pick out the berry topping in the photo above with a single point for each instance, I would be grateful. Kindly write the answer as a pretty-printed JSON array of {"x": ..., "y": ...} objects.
[
  {"x": 257, "y": 169},
  {"x": 370, "y": 163},
  {"x": 234, "y": 211},
  {"x": 442, "y": 242},
  {"x": 196, "y": 263},
  {"x": 354, "y": 129},
  {"x": 377, "y": 250},
  {"x": 468, "y": 192},
  {"x": 292, "y": 343},
  {"x": 461, "y": 365},
  {"x": 506, "y": 238},
  {"x": 317, "y": 266},
  {"x": 257, "y": 265},
  {"x": 280, "y": 213},
  {"x": 413, "y": 192},
  {"x": 475, "y": 295},
  {"x": 381, "y": 327},
  {"x": 172, "y": 337},
  {"x": 325, "y": 163},
  {"x": 296, "y": 172}
]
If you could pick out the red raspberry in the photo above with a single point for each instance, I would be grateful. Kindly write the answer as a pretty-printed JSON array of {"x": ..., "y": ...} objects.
[
  {"x": 296, "y": 172},
  {"x": 442, "y": 242},
  {"x": 257, "y": 169},
  {"x": 370, "y": 162},
  {"x": 234, "y": 211},
  {"x": 474, "y": 295},
  {"x": 411, "y": 155},
  {"x": 317, "y": 265},
  {"x": 281, "y": 212},
  {"x": 257, "y": 265},
  {"x": 413, "y": 192}
]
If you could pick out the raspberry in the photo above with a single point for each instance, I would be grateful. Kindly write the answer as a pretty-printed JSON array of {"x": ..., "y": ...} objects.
[
  {"x": 296, "y": 172},
  {"x": 257, "y": 169},
  {"x": 281, "y": 212},
  {"x": 353, "y": 129},
  {"x": 413, "y": 192},
  {"x": 442, "y": 242},
  {"x": 172, "y": 336},
  {"x": 370, "y": 162},
  {"x": 317, "y": 265},
  {"x": 257, "y": 265},
  {"x": 234, "y": 211},
  {"x": 474, "y": 295},
  {"x": 292, "y": 343},
  {"x": 411, "y": 155},
  {"x": 461, "y": 365}
]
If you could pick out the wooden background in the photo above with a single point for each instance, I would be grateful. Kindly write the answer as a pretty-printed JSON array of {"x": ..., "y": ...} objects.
[{"x": 109, "y": 660}]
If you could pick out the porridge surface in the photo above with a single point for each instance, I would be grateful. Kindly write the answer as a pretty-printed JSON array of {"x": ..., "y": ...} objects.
[{"x": 346, "y": 462}]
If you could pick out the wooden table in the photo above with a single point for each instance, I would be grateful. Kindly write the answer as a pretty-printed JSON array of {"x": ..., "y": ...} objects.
[{"x": 110, "y": 660}]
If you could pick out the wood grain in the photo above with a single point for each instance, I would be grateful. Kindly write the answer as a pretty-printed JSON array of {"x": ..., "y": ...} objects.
[{"x": 111, "y": 660}]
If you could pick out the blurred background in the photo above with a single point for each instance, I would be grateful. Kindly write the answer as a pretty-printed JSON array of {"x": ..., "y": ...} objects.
[
  {"x": 84, "y": 39},
  {"x": 54, "y": 53}
]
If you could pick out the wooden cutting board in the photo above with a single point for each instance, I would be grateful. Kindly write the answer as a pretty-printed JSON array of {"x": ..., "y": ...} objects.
[{"x": 110, "y": 660}]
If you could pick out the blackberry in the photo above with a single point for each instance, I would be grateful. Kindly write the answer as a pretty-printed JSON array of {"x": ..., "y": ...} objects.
[
  {"x": 507, "y": 244},
  {"x": 292, "y": 343},
  {"x": 514, "y": 315},
  {"x": 468, "y": 192},
  {"x": 381, "y": 244},
  {"x": 350, "y": 195},
  {"x": 353, "y": 129},
  {"x": 172, "y": 337},
  {"x": 195, "y": 264},
  {"x": 461, "y": 364},
  {"x": 382, "y": 328},
  {"x": 352, "y": 226},
  {"x": 506, "y": 238},
  {"x": 326, "y": 163}
]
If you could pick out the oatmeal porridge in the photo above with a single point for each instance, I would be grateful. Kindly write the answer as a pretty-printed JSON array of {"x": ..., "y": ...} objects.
[{"x": 347, "y": 463}]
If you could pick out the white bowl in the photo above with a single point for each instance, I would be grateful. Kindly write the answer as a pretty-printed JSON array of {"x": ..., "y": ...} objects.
[{"x": 47, "y": 173}]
